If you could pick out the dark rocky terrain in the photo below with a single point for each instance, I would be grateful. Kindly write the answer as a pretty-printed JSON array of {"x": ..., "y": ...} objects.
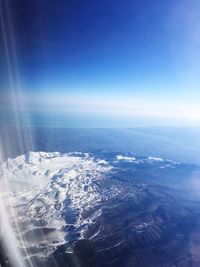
[{"x": 149, "y": 228}]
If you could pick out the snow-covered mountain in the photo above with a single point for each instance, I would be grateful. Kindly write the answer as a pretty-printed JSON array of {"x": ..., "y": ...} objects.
[{"x": 56, "y": 200}]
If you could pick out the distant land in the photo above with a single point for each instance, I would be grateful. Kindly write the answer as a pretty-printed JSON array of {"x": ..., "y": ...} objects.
[{"x": 176, "y": 143}]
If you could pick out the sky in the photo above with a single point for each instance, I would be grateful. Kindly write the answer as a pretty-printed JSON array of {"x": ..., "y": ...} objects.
[{"x": 91, "y": 63}]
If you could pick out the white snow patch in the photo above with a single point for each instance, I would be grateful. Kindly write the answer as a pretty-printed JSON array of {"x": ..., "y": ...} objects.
[
  {"x": 125, "y": 158},
  {"x": 155, "y": 159},
  {"x": 46, "y": 181}
]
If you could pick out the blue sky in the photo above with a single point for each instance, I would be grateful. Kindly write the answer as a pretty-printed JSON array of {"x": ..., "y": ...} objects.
[{"x": 102, "y": 63}]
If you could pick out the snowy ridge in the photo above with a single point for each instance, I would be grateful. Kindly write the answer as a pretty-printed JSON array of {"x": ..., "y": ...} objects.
[
  {"x": 50, "y": 182},
  {"x": 48, "y": 191},
  {"x": 150, "y": 159}
]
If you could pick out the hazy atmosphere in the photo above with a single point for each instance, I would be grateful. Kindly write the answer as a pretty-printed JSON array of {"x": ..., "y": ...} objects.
[{"x": 101, "y": 64}]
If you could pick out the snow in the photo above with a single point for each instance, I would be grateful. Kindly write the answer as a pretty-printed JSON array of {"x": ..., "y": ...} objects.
[
  {"x": 155, "y": 159},
  {"x": 47, "y": 181},
  {"x": 54, "y": 190},
  {"x": 134, "y": 160},
  {"x": 125, "y": 158}
]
